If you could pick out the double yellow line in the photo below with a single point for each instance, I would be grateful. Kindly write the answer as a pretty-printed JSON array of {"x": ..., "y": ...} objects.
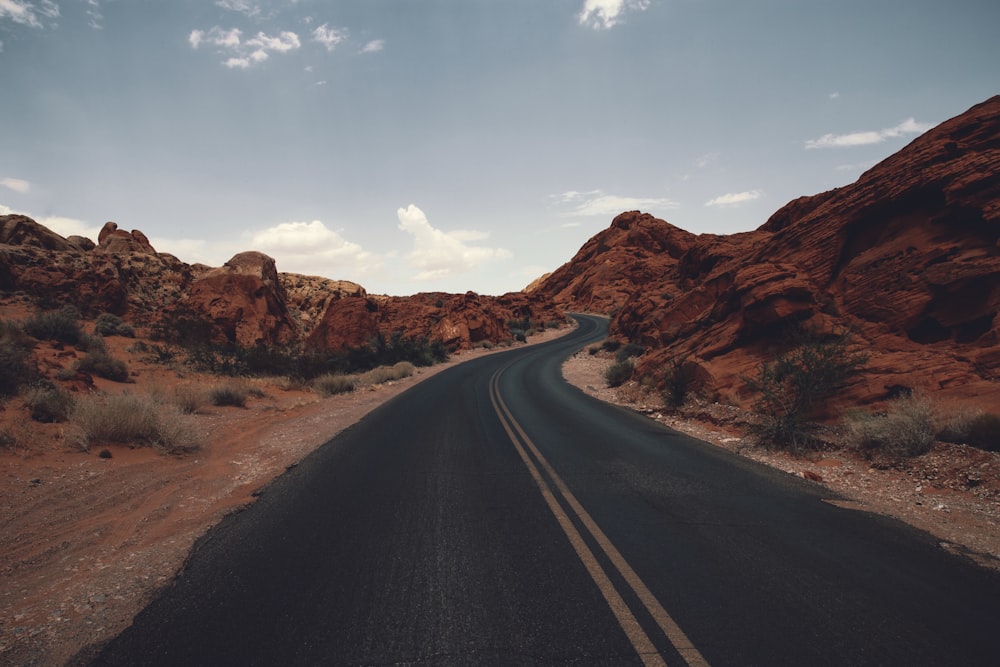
[{"x": 534, "y": 460}]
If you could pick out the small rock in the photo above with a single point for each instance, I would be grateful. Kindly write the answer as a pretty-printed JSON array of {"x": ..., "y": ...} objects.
[
  {"x": 810, "y": 475},
  {"x": 35, "y": 482},
  {"x": 105, "y": 454}
]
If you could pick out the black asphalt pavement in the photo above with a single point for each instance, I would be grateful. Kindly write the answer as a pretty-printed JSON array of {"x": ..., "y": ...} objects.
[{"x": 494, "y": 515}]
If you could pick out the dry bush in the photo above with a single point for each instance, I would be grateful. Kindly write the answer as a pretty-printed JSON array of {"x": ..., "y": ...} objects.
[
  {"x": 48, "y": 404},
  {"x": 619, "y": 373},
  {"x": 383, "y": 374},
  {"x": 189, "y": 398},
  {"x": 103, "y": 365},
  {"x": 333, "y": 383},
  {"x": 130, "y": 419},
  {"x": 232, "y": 394},
  {"x": 905, "y": 429},
  {"x": 974, "y": 428}
]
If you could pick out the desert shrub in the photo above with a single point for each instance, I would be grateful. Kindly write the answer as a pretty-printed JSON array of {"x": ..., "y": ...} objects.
[
  {"x": 108, "y": 324},
  {"x": 677, "y": 381},
  {"x": 189, "y": 398},
  {"x": 103, "y": 365},
  {"x": 611, "y": 345},
  {"x": 905, "y": 429},
  {"x": 628, "y": 351},
  {"x": 90, "y": 343},
  {"x": 403, "y": 369},
  {"x": 16, "y": 367},
  {"x": 132, "y": 420},
  {"x": 8, "y": 441},
  {"x": 232, "y": 395},
  {"x": 61, "y": 325},
  {"x": 48, "y": 404},
  {"x": 976, "y": 429},
  {"x": 619, "y": 373},
  {"x": 398, "y": 371},
  {"x": 794, "y": 384},
  {"x": 334, "y": 383}
]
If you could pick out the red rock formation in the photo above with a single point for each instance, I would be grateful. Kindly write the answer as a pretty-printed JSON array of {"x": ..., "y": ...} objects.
[
  {"x": 244, "y": 301},
  {"x": 112, "y": 239},
  {"x": 907, "y": 257}
]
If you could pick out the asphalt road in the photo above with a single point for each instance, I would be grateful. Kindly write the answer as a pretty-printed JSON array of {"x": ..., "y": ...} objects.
[{"x": 494, "y": 515}]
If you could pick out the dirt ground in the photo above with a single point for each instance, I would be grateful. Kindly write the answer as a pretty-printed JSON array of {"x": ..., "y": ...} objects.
[{"x": 86, "y": 542}]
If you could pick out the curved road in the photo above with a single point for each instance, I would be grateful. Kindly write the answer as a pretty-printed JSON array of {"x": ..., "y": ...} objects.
[{"x": 494, "y": 515}]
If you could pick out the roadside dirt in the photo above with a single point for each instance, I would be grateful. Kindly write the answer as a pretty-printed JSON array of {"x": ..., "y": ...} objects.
[
  {"x": 86, "y": 542},
  {"x": 951, "y": 492}
]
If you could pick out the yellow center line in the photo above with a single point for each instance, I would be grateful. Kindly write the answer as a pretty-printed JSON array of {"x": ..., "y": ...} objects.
[{"x": 643, "y": 646}]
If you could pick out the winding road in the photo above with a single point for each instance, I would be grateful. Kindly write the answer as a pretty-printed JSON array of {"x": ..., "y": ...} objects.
[{"x": 495, "y": 515}]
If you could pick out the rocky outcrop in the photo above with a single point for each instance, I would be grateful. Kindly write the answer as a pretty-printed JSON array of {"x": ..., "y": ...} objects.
[
  {"x": 114, "y": 240},
  {"x": 244, "y": 301},
  {"x": 907, "y": 258},
  {"x": 20, "y": 230}
]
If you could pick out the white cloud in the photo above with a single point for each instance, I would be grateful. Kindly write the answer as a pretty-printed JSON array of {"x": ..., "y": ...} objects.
[
  {"x": 284, "y": 42},
  {"x": 244, "y": 53},
  {"x": 250, "y": 9},
  {"x": 94, "y": 14},
  {"x": 908, "y": 126},
  {"x": 735, "y": 198},
  {"x": 6, "y": 210},
  {"x": 439, "y": 254},
  {"x": 313, "y": 248},
  {"x": 834, "y": 95},
  {"x": 15, "y": 184},
  {"x": 605, "y": 14},
  {"x": 329, "y": 37},
  {"x": 707, "y": 159},
  {"x": 373, "y": 46},
  {"x": 70, "y": 227},
  {"x": 596, "y": 202},
  {"x": 28, "y": 13}
]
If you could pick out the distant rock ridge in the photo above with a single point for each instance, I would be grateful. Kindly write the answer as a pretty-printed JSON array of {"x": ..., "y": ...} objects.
[
  {"x": 247, "y": 301},
  {"x": 907, "y": 257}
]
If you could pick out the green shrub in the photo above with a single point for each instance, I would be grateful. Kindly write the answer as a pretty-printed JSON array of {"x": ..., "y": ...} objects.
[
  {"x": 610, "y": 345},
  {"x": 103, "y": 365},
  {"x": 89, "y": 343},
  {"x": 61, "y": 325},
  {"x": 334, "y": 383},
  {"x": 795, "y": 383},
  {"x": 233, "y": 395},
  {"x": 905, "y": 429},
  {"x": 677, "y": 381},
  {"x": 132, "y": 420},
  {"x": 619, "y": 373},
  {"x": 48, "y": 404},
  {"x": 628, "y": 351},
  {"x": 108, "y": 324},
  {"x": 16, "y": 364}
]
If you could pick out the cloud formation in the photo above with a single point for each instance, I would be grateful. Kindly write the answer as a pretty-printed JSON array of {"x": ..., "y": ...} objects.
[
  {"x": 313, "y": 248},
  {"x": 329, "y": 37},
  {"x": 15, "y": 184},
  {"x": 908, "y": 126},
  {"x": 735, "y": 198},
  {"x": 250, "y": 9},
  {"x": 373, "y": 46},
  {"x": 27, "y": 13},
  {"x": 244, "y": 53},
  {"x": 439, "y": 254},
  {"x": 596, "y": 202},
  {"x": 606, "y": 14}
]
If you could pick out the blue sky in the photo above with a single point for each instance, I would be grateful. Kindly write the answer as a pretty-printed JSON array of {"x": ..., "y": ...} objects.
[{"x": 419, "y": 145}]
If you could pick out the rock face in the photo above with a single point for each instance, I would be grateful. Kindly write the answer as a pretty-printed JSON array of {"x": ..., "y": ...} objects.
[
  {"x": 907, "y": 258},
  {"x": 245, "y": 302}
]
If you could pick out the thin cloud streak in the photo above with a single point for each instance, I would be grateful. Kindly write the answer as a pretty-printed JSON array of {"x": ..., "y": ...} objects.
[{"x": 908, "y": 126}]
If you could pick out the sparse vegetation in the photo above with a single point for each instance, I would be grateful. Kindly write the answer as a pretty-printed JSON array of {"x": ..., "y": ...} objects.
[
  {"x": 793, "y": 385},
  {"x": 619, "y": 373},
  {"x": 976, "y": 429},
  {"x": 48, "y": 404},
  {"x": 382, "y": 374},
  {"x": 231, "y": 395},
  {"x": 108, "y": 324},
  {"x": 16, "y": 367},
  {"x": 132, "y": 420},
  {"x": 628, "y": 351},
  {"x": 103, "y": 365},
  {"x": 334, "y": 383},
  {"x": 905, "y": 429},
  {"x": 62, "y": 326},
  {"x": 677, "y": 381},
  {"x": 189, "y": 398}
]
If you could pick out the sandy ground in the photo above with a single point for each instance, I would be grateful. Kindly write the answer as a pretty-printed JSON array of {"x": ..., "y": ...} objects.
[{"x": 86, "y": 542}]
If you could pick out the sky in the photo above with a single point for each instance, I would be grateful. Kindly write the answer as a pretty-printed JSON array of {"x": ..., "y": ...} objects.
[{"x": 455, "y": 145}]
